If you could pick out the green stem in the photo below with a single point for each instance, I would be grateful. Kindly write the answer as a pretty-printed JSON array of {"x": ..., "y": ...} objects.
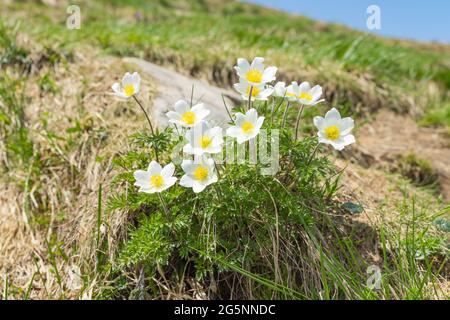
[
  {"x": 285, "y": 114},
  {"x": 297, "y": 122},
  {"x": 313, "y": 154},
  {"x": 149, "y": 122},
  {"x": 226, "y": 108},
  {"x": 250, "y": 98}
]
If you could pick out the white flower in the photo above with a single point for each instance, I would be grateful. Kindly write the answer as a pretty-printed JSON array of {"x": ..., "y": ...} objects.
[
  {"x": 304, "y": 94},
  {"x": 131, "y": 84},
  {"x": 198, "y": 174},
  {"x": 186, "y": 116},
  {"x": 334, "y": 130},
  {"x": 259, "y": 92},
  {"x": 255, "y": 74},
  {"x": 246, "y": 127},
  {"x": 203, "y": 139},
  {"x": 155, "y": 179},
  {"x": 280, "y": 90}
]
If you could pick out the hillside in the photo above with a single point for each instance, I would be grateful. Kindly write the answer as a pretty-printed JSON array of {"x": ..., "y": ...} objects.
[{"x": 66, "y": 230}]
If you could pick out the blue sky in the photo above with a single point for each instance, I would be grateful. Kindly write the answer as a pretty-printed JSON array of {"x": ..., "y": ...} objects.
[{"x": 419, "y": 20}]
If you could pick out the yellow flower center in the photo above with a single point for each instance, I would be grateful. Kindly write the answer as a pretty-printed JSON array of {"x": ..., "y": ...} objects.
[
  {"x": 201, "y": 173},
  {"x": 254, "y": 76},
  {"x": 332, "y": 132},
  {"x": 156, "y": 180},
  {"x": 205, "y": 141},
  {"x": 290, "y": 94},
  {"x": 188, "y": 117},
  {"x": 247, "y": 127},
  {"x": 129, "y": 90},
  {"x": 255, "y": 91},
  {"x": 305, "y": 96}
]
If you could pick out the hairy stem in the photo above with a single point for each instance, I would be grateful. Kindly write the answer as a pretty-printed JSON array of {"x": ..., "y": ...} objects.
[
  {"x": 285, "y": 114},
  {"x": 149, "y": 122},
  {"x": 297, "y": 122}
]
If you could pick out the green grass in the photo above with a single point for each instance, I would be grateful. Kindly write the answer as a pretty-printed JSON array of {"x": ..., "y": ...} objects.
[
  {"x": 284, "y": 237},
  {"x": 281, "y": 236},
  {"x": 204, "y": 37}
]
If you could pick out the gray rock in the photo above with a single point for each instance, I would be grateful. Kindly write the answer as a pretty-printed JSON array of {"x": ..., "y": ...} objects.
[{"x": 173, "y": 86}]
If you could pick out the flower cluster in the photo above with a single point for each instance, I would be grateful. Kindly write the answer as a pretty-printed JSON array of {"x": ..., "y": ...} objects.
[{"x": 204, "y": 140}]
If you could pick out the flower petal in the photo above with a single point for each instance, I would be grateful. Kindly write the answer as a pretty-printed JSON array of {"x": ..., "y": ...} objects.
[
  {"x": 304, "y": 87},
  {"x": 186, "y": 181},
  {"x": 181, "y": 107},
  {"x": 319, "y": 122},
  {"x": 269, "y": 74},
  {"x": 168, "y": 170},
  {"x": 346, "y": 125},
  {"x": 258, "y": 64},
  {"x": 333, "y": 115},
  {"x": 154, "y": 168}
]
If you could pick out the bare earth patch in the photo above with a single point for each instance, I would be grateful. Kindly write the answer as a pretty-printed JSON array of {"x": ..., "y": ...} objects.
[{"x": 391, "y": 135}]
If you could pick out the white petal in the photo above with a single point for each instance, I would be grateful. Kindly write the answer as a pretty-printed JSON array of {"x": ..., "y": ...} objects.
[
  {"x": 198, "y": 187},
  {"x": 338, "y": 145},
  {"x": 280, "y": 89},
  {"x": 349, "y": 139},
  {"x": 170, "y": 182},
  {"x": 251, "y": 115},
  {"x": 173, "y": 115},
  {"x": 168, "y": 170},
  {"x": 127, "y": 79},
  {"x": 304, "y": 87},
  {"x": 136, "y": 79},
  {"x": 346, "y": 125},
  {"x": 333, "y": 115},
  {"x": 154, "y": 168},
  {"x": 266, "y": 93},
  {"x": 258, "y": 64},
  {"x": 269, "y": 74},
  {"x": 146, "y": 190},
  {"x": 316, "y": 92},
  {"x": 189, "y": 149},
  {"x": 241, "y": 88},
  {"x": 234, "y": 132},
  {"x": 181, "y": 107},
  {"x": 240, "y": 119},
  {"x": 259, "y": 123},
  {"x": 319, "y": 122},
  {"x": 186, "y": 181},
  {"x": 201, "y": 114},
  {"x": 243, "y": 65},
  {"x": 187, "y": 166},
  {"x": 116, "y": 88},
  {"x": 241, "y": 139},
  {"x": 142, "y": 178}
]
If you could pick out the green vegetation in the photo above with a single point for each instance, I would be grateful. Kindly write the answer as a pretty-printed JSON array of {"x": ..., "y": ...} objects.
[
  {"x": 417, "y": 170},
  {"x": 289, "y": 236},
  {"x": 358, "y": 70}
]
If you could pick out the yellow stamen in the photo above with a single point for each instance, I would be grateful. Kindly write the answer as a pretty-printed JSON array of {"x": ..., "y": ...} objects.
[
  {"x": 332, "y": 132},
  {"x": 290, "y": 94},
  {"x": 305, "y": 96},
  {"x": 254, "y": 76},
  {"x": 205, "y": 141},
  {"x": 188, "y": 117},
  {"x": 247, "y": 127},
  {"x": 255, "y": 91},
  {"x": 201, "y": 173},
  {"x": 129, "y": 90},
  {"x": 156, "y": 180}
]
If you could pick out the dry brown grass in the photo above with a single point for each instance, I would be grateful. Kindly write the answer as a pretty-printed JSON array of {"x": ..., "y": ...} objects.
[{"x": 69, "y": 177}]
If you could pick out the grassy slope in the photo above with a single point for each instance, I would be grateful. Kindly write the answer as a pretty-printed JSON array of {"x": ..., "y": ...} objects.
[{"x": 203, "y": 39}]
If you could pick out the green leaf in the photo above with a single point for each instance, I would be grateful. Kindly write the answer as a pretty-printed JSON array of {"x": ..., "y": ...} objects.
[{"x": 352, "y": 208}]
